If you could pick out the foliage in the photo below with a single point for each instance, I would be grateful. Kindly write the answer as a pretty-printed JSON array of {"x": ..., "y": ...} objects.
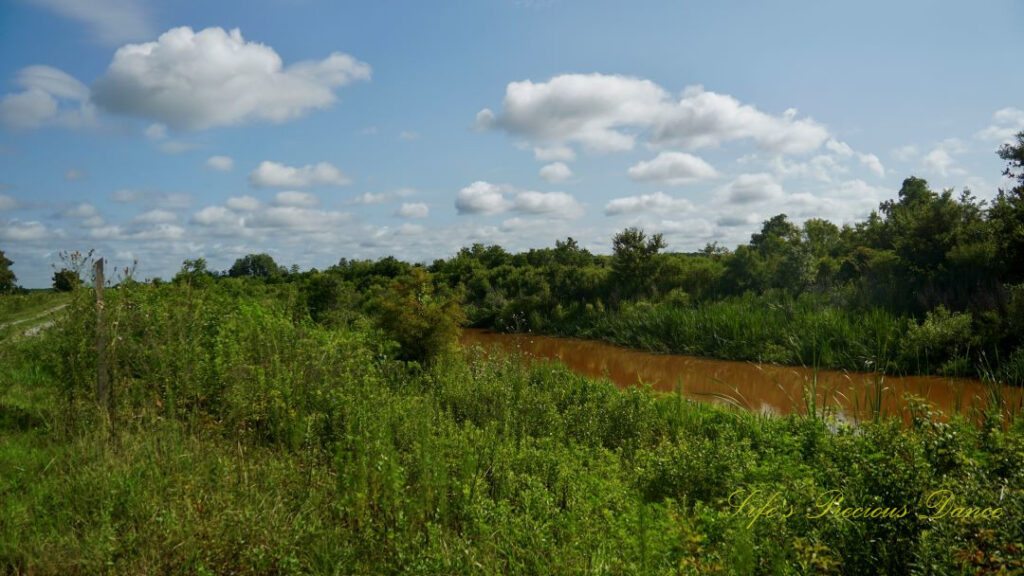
[
  {"x": 422, "y": 319},
  {"x": 633, "y": 261},
  {"x": 66, "y": 280},
  {"x": 256, "y": 266},
  {"x": 247, "y": 439},
  {"x": 8, "y": 281}
]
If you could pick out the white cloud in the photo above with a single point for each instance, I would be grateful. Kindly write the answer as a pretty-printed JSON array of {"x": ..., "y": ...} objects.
[
  {"x": 702, "y": 119},
  {"x": 73, "y": 175},
  {"x": 111, "y": 21},
  {"x": 1006, "y": 123},
  {"x": 554, "y": 154},
  {"x": 872, "y": 163},
  {"x": 840, "y": 148},
  {"x": 83, "y": 210},
  {"x": 413, "y": 210},
  {"x": 296, "y": 218},
  {"x": 221, "y": 163},
  {"x": 481, "y": 198},
  {"x": 487, "y": 199},
  {"x": 749, "y": 188},
  {"x": 215, "y": 216},
  {"x": 294, "y": 198},
  {"x": 408, "y": 136},
  {"x": 156, "y": 216},
  {"x": 484, "y": 119},
  {"x": 195, "y": 80},
  {"x": 556, "y": 172},
  {"x": 672, "y": 168},
  {"x": 555, "y": 204},
  {"x": 371, "y": 198},
  {"x": 274, "y": 175},
  {"x": 604, "y": 113},
  {"x": 243, "y": 203},
  {"x": 51, "y": 97},
  {"x": 657, "y": 202},
  {"x": 940, "y": 159},
  {"x": 19, "y": 231}
]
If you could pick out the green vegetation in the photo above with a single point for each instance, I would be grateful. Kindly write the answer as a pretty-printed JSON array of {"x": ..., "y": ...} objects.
[
  {"x": 8, "y": 281},
  {"x": 247, "y": 438}
]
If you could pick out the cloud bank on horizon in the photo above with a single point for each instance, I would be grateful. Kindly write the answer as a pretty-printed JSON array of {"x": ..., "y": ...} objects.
[{"x": 320, "y": 145}]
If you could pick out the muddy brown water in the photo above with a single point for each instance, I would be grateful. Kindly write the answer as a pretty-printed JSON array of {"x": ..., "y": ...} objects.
[{"x": 764, "y": 388}]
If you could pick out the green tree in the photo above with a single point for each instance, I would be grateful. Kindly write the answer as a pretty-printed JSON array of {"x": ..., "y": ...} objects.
[
  {"x": 256, "y": 266},
  {"x": 66, "y": 280},
  {"x": 633, "y": 262},
  {"x": 193, "y": 273},
  {"x": 8, "y": 281},
  {"x": 1007, "y": 214},
  {"x": 423, "y": 320}
]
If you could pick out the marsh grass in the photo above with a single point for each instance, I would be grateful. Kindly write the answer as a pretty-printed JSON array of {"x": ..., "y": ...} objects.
[{"x": 250, "y": 440}]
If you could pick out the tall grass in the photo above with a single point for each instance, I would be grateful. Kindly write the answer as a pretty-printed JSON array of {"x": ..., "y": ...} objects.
[
  {"x": 791, "y": 331},
  {"x": 248, "y": 439}
]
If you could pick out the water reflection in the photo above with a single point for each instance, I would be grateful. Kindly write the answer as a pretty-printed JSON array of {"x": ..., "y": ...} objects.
[{"x": 757, "y": 387}]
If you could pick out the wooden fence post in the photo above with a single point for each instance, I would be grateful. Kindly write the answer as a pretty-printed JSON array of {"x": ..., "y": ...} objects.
[{"x": 103, "y": 395}]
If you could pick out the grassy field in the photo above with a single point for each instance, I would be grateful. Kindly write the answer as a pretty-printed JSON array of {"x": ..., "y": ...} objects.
[
  {"x": 20, "y": 313},
  {"x": 246, "y": 439}
]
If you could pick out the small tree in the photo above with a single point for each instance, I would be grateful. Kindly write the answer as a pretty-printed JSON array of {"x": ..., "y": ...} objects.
[
  {"x": 8, "y": 281},
  {"x": 423, "y": 320},
  {"x": 66, "y": 280},
  {"x": 633, "y": 263}
]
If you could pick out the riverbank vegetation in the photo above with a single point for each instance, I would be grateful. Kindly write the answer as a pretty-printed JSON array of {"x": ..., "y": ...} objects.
[{"x": 255, "y": 427}]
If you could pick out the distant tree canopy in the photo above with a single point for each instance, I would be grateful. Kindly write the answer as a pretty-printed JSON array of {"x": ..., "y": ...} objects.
[
  {"x": 8, "y": 281},
  {"x": 256, "y": 266},
  {"x": 66, "y": 280}
]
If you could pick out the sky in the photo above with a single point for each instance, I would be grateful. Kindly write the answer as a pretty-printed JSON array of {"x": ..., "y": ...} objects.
[{"x": 316, "y": 130}]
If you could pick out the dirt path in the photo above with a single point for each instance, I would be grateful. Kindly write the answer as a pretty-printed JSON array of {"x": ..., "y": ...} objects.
[{"x": 36, "y": 329}]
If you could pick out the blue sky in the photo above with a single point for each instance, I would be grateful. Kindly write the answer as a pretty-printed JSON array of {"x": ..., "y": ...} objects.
[{"x": 316, "y": 130}]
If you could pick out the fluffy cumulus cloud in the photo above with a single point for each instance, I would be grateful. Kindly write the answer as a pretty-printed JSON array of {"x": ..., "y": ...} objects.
[
  {"x": 553, "y": 204},
  {"x": 672, "y": 168},
  {"x": 658, "y": 202},
  {"x": 22, "y": 231},
  {"x": 607, "y": 112},
  {"x": 751, "y": 188},
  {"x": 275, "y": 175},
  {"x": 1006, "y": 123},
  {"x": 50, "y": 97},
  {"x": 220, "y": 163},
  {"x": 413, "y": 210},
  {"x": 486, "y": 198},
  {"x": 194, "y": 80},
  {"x": 481, "y": 198},
  {"x": 111, "y": 21},
  {"x": 555, "y": 172},
  {"x": 941, "y": 159}
]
